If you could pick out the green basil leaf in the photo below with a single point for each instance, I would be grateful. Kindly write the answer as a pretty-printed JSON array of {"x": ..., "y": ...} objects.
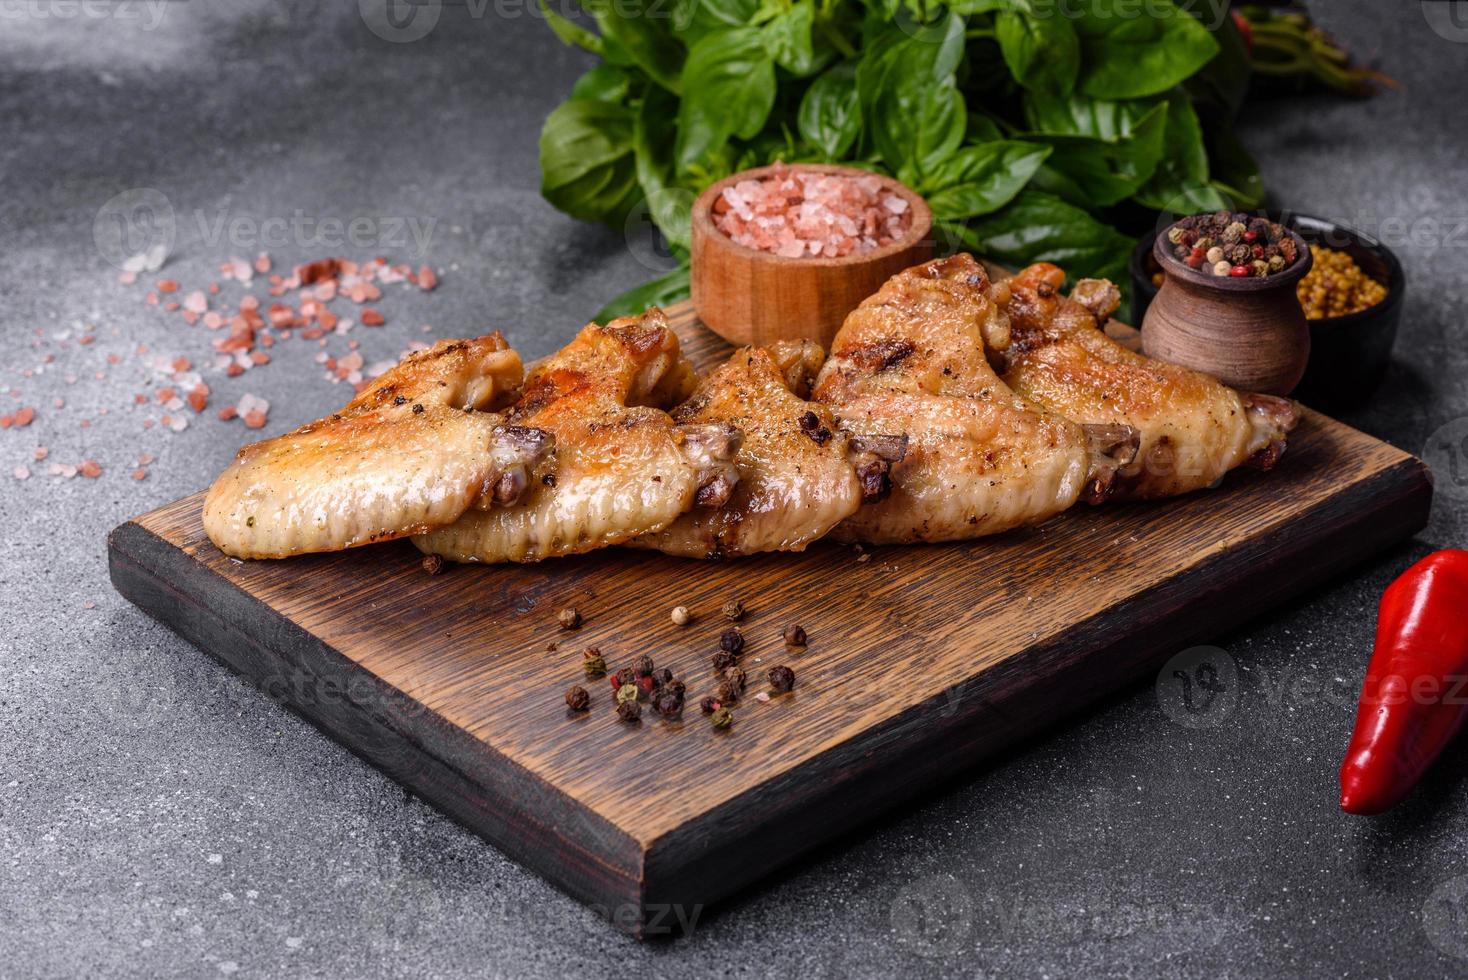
[
  {"x": 790, "y": 41},
  {"x": 586, "y": 164},
  {"x": 641, "y": 33},
  {"x": 967, "y": 7},
  {"x": 663, "y": 291},
  {"x": 569, "y": 31},
  {"x": 911, "y": 106},
  {"x": 1128, "y": 52},
  {"x": 979, "y": 179},
  {"x": 1036, "y": 227},
  {"x": 670, "y": 205},
  {"x": 730, "y": 13},
  {"x": 604, "y": 83},
  {"x": 1224, "y": 81},
  {"x": 830, "y": 115},
  {"x": 730, "y": 83},
  {"x": 1108, "y": 153},
  {"x": 1042, "y": 52},
  {"x": 982, "y": 129},
  {"x": 1180, "y": 182},
  {"x": 1234, "y": 171}
]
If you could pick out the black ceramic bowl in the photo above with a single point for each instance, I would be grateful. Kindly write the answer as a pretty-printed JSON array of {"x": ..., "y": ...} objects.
[{"x": 1348, "y": 354}]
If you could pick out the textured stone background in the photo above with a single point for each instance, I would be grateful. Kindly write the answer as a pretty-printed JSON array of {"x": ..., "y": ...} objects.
[{"x": 157, "y": 819}]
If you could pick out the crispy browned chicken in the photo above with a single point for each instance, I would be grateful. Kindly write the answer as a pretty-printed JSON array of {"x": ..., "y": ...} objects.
[
  {"x": 980, "y": 459},
  {"x": 799, "y": 474},
  {"x": 1193, "y": 429},
  {"x": 414, "y": 450},
  {"x": 622, "y": 467}
]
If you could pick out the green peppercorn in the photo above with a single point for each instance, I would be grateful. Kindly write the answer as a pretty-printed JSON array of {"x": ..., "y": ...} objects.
[
  {"x": 722, "y": 718},
  {"x": 627, "y": 692},
  {"x": 593, "y": 663}
]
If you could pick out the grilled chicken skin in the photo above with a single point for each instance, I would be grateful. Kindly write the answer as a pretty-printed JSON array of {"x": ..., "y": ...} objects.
[
  {"x": 799, "y": 475},
  {"x": 413, "y": 451},
  {"x": 1193, "y": 429},
  {"x": 980, "y": 459},
  {"x": 622, "y": 467}
]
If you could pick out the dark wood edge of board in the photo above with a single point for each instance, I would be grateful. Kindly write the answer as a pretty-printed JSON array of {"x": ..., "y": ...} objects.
[
  {"x": 568, "y": 844},
  {"x": 650, "y": 890},
  {"x": 850, "y": 784}
]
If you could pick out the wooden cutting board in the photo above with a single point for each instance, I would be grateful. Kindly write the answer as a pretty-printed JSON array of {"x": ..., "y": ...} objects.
[{"x": 922, "y": 660}]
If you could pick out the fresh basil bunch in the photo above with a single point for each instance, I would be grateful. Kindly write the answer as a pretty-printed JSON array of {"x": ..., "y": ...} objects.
[{"x": 1037, "y": 129}]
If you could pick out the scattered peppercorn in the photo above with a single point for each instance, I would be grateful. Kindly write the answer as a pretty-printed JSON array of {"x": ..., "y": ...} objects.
[
  {"x": 593, "y": 663},
  {"x": 722, "y": 718},
  {"x": 795, "y": 636},
  {"x": 668, "y": 705},
  {"x": 723, "y": 660},
  {"x": 709, "y": 705},
  {"x": 727, "y": 693},
  {"x": 1336, "y": 286},
  {"x": 731, "y": 640},
  {"x": 680, "y": 616},
  {"x": 549, "y": 479},
  {"x": 737, "y": 677},
  {"x": 417, "y": 409},
  {"x": 782, "y": 679},
  {"x": 578, "y": 698},
  {"x": 646, "y": 684},
  {"x": 733, "y": 610},
  {"x": 623, "y": 678},
  {"x": 676, "y": 688},
  {"x": 433, "y": 564},
  {"x": 569, "y": 618},
  {"x": 629, "y": 711},
  {"x": 663, "y": 675},
  {"x": 627, "y": 692}
]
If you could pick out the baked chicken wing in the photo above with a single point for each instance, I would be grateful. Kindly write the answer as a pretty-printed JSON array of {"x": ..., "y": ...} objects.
[
  {"x": 413, "y": 451},
  {"x": 622, "y": 467},
  {"x": 1193, "y": 429},
  {"x": 799, "y": 474},
  {"x": 980, "y": 459}
]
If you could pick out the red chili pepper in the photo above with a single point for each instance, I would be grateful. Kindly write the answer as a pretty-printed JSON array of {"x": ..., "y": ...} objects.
[{"x": 1416, "y": 693}]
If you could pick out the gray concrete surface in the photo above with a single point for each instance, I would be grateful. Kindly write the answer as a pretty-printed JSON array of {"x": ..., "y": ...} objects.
[{"x": 157, "y": 819}]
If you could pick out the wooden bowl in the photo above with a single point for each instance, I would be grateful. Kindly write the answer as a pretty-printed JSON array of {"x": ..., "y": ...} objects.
[
  {"x": 1249, "y": 333},
  {"x": 751, "y": 297}
]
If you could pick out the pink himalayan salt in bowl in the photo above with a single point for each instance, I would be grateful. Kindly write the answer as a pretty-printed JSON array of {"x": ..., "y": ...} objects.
[{"x": 798, "y": 214}]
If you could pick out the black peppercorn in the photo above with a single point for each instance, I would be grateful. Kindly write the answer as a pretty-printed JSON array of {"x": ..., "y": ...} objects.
[
  {"x": 676, "y": 688},
  {"x": 623, "y": 678},
  {"x": 667, "y": 705},
  {"x": 731, "y": 641},
  {"x": 569, "y": 618},
  {"x": 733, "y": 609},
  {"x": 629, "y": 711},
  {"x": 663, "y": 675},
  {"x": 737, "y": 677},
  {"x": 643, "y": 665},
  {"x": 709, "y": 705},
  {"x": 795, "y": 636},
  {"x": 433, "y": 564},
  {"x": 417, "y": 409},
  {"x": 728, "y": 693},
  {"x": 723, "y": 660},
  {"x": 578, "y": 698},
  {"x": 782, "y": 679}
]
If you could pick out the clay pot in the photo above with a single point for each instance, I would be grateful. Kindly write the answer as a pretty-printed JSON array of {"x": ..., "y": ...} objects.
[
  {"x": 751, "y": 297},
  {"x": 1249, "y": 333}
]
